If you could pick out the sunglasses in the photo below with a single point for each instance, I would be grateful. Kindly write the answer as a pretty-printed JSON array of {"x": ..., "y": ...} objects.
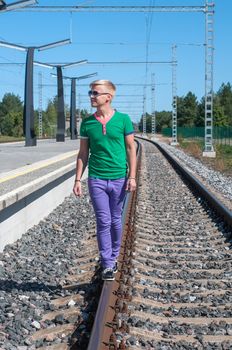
[{"x": 95, "y": 93}]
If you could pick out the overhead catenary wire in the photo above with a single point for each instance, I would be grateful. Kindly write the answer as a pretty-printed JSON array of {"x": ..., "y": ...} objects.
[
  {"x": 95, "y": 62},
  {"x": 141, "y": 9}
]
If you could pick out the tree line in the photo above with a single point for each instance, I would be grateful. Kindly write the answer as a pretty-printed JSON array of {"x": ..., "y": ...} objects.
[
  {"x": 190, "y": 113},
  {"x": 11, "y": 116}
]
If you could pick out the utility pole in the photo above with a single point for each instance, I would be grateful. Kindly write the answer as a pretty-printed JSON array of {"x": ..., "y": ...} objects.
[
  {"x": 79, "y": 114},
  {"x": 209, "y": 60},
  {"x": 40, "y": 106},
  {"x": 73, "y": 121},
  {"x": 174, "y": 98},
  {"x": 60, "y": 134},
  {"x": 153, "y": 118},
  {"x": 144, "y": 111}
]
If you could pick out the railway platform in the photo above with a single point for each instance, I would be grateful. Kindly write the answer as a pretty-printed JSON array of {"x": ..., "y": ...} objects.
[
  {"x": 29, "y": 177},
  {"x": 15, "y": 155}
]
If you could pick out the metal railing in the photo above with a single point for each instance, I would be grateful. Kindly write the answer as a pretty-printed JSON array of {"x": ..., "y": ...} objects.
[{"x": 221, "y": 134}]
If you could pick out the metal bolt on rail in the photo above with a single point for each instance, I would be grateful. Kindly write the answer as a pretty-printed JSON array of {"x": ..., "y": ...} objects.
[
  {"x": 121, "y": 290},
  {"x": 125, "y": 269},
  {"x": 128, "y": 296},
  {"x": 113, "y": 342},
  {"x": 122, "y": 327},
  {"x": 111, "y": 324},
  {"x": 118, "y": 305},
  {"x": 122, "y": 345},
  {"x": 122, "y": 279},
  {"x": 129, "y": 282},
  {"x": 125, "y": 309}
]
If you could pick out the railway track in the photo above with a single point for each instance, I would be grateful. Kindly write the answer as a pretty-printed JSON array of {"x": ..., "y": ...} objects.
[{"x": 173, "y": 287}]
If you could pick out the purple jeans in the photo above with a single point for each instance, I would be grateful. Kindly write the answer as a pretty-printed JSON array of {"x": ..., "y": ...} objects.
[{"x": 107, "y": 198}]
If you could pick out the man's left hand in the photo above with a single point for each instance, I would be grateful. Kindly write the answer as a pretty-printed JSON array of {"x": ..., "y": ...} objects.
[{"x": 131, "y": 185}]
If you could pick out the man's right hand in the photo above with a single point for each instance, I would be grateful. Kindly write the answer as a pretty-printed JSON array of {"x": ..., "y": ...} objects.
[{"x": 77, "y": 189}]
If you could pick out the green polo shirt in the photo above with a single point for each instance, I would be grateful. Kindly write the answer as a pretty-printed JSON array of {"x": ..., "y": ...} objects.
[{"x": 108, "y": 158}]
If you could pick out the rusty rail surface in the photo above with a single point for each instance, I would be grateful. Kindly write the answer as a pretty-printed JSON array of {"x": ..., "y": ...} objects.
[{"x": 102, "y": 336}]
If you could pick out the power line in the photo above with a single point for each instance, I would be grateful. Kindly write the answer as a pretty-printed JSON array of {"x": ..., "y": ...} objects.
[
  {"x": 117, "y": 84},
  {"x": 142, "y": 9},
  {"x": 93, "y": 62}
]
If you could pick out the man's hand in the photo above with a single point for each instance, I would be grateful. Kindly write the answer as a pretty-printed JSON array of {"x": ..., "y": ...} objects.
[
  {"x": 77, "y": 188},
  {"x": 131, "y": 185}
]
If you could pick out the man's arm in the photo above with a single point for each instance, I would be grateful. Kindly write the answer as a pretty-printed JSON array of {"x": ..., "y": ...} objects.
[
  {"x": 82, "y": 160},
  {"x": 131, "y": 157}
]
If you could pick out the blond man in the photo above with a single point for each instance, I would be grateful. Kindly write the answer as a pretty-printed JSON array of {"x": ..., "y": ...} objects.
[{"x": 107, "y": 141}]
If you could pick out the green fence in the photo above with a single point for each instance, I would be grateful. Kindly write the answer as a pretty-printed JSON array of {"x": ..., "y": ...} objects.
[{"x": 221, "y": 135}]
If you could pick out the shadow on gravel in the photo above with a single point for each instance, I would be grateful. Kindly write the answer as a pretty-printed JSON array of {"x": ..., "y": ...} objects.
[
  {"x": 9, "y": 285},
  {"x": 80, "y": 338}
]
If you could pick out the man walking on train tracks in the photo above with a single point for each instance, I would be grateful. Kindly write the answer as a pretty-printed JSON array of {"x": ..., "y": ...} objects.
[{"x": 108, "y": 137}]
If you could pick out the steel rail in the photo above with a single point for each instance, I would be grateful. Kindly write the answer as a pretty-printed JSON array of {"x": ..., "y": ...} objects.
[
  {"x": 102, "y": 329},
  {"x": 198, "y": 187},
  {"x": 113, "y": 9}
]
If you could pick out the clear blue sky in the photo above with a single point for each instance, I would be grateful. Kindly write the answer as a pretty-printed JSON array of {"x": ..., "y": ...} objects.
[{"x": 118, "y": 37}]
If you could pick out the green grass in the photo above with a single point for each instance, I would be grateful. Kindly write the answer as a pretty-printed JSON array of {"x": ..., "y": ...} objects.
[
  {"x": 4, "y": 138},
  {"x": 223, "y": 160},
  {"x": 225, "y": 150},
  {"x": 224, "y": 153}
]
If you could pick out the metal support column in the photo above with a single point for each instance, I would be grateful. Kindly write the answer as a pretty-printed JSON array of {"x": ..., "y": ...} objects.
[
  {"x": 40, "y": 110},
  {"x": 28, "y": 112},
  {"x": 73, "y": 119},
  {"x": 209, "y": 60},
  {"x": 153, "y": 117},
  {"x": 79, "y": 114},
  {"x": 144, "y": 112},
  {"x": 60, "y": 135},
  {"x": 174, "y": 98}
]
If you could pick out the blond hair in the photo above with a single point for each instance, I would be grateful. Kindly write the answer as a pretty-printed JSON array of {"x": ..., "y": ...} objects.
[{"x": 107, "y": 83}]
